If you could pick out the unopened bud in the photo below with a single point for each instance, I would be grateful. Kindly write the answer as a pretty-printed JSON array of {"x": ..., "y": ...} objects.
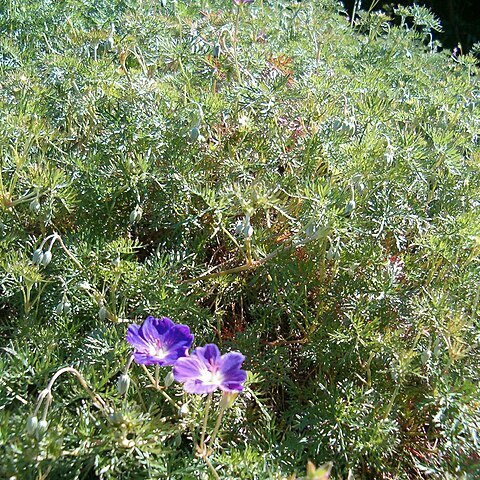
[
  {"x": 102, "y": 313},
  {"x": 32, "y": 424},
  {"x": 37, "y": 256},
  {"x": 47, "y": 258},
  {"x": 116, "y": 418},
  {"x": 34, "y": 205},
  {"x": 136, "y": 214},
  {"x": 333, "y": 253},
  {"x": 123, "y": 383},
  {"x": 184, "y": 410},
  {"x": 67, "y": 307},
  {"x": 228, "y": 398},
  {"x": 84, "y": 285},
  {"x": 116, "y": 262},
  {"x": 216, "y": 51},
  {"x": 59, "y": 309},
  {"x": 42, "y": 426},
  {"x": 194, "y": 134},
  {"x": 248, "y": 231},
  {"x": 350, "y": 207},
  {"x": 426, "y": 354},
  {"x": 169, "y": 379}
]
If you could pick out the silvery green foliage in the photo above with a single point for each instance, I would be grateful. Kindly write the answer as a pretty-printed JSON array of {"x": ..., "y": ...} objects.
[{"x": 352, "y": 148}]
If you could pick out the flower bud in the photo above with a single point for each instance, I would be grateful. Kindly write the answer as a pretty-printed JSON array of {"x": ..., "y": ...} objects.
[
  {"x": 350, "y": 207},
  {"x": 136, "y": 214},
  {"x": 84, "y": 285},
  {"x": 42, "y": 426},
  {"x": 184, "y": 410},
  {"x": 228, "y": 398},
  {"x": 169, "y": 378},
  {"x": 194, "y": 134},
  {"x": 47, "y": 258},
  {"x": 239, "y": 228},
  {"x": 102, "y": 313},
  {"x": 59, "y": 308},
  {"x": 116, "y": 262},
  {"x": 425, "y": 357},
  {"x": 248, "y": 231},
  {"x": 116, "y": 418},
  {"x": 37, "y": 256},
  {"x": 333, "y": 253},
  {"x": 123, "y": 383},
  {"x": 67, "y": 307},
  {"x": 32, "y": 424},
  {"x": 216, "y": 51},
  {"x": 34, "y": 205}
]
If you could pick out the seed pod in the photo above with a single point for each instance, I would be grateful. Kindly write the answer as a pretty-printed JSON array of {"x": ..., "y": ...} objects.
[
  {"x": 123, "y": 383},
  {"x": 102, "y": 313},
  {"x": 47, "y": 258},
  {"x": 216, "y": 51},
  {"x": 37, "y": 256},
  {"x": 169, "y": 378},
  {"x": 34, "y": 205},
  {"x": 32, "y": 424}
]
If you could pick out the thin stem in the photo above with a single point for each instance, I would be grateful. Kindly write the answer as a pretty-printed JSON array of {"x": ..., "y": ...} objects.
[
  {"x": 223, "y": 407},
  {"x": 235, "y": 37},
  {"x": 212, "y": 468},
  {"x": 149, "y": 375},
  {"x": 157, "y": 375},
  {"x": 205, "y": 420}
]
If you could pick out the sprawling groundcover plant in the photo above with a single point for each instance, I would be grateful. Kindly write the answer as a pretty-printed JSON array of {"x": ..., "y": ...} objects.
[{"x": 292, "y": 181}]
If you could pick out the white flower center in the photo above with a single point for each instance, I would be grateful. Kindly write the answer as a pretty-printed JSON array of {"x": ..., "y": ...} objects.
[
  {"x": 157, "y": 350},
  {"x": 211, "y": 378}
]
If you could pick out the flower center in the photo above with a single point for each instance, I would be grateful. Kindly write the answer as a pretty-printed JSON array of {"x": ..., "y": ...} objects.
[
  {"x": 211, "y": 378},
  {"x": 157, "y": 350}
]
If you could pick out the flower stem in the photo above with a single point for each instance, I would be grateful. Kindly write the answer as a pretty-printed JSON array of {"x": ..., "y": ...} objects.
[
  {"x": 212, "y": 468},
  {"x": 223, "y": 407},
  {"x": 157, "y": 375},
  {"x": 205, "y": 420}
]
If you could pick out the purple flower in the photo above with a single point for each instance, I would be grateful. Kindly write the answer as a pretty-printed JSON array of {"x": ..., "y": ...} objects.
[
  {"x": 205, "y": 370},
  {"x": 159, "y": 341}
]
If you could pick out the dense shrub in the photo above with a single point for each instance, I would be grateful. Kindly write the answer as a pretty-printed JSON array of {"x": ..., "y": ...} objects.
[{"x": 289, "y": 183}]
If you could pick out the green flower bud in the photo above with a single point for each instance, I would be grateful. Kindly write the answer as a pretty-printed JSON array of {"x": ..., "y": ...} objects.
[
  {"x": 42, "y": 427},
  {"x": 183, "y": 411},
  {"x": 59, "y": 308},
  {"x": 136, "y": 214},
  {"x": 102, "y": 313},
  {"x": 425, "y": 357},
  {"x": 228, "y": 398},
  {"x": 47, "y": 258},
  {"x": 37, "y": 256},
  {"x": 32, "y": 424},
  {"x": 350, "y": 207},
  {"x": 169, "y": 378},
  {"x": 248, "y": 231},
  {"x": 116, "y": 418},
  {"x": 34, "y": 205},
  {"x": 67, "y": 307},
  {"x": 194, "y": 134},
  {"x": 123, "y": 383}
]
